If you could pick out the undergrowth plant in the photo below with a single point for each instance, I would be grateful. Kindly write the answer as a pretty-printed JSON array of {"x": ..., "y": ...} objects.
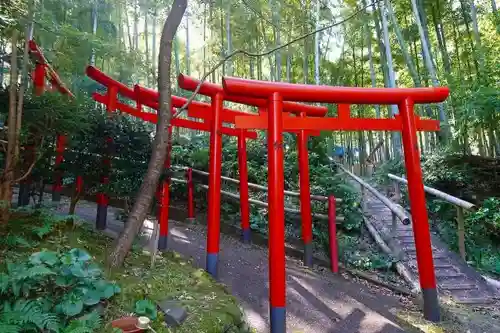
[
  {"x": 50, "y": 291},
  {"x": 53, "y": 292}
]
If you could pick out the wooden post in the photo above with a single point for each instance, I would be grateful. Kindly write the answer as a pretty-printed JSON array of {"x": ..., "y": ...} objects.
[
  {"x": 397, "y": 199},
  {"x": 461, "y": 231}
]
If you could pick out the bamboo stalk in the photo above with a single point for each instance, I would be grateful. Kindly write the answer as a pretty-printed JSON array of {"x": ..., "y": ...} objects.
[
  {"x": 264, "y": 188},
  {"x": 265, "y": 204},
  {"x": 449, "y": 198},
  {"x": 395, "y": 208}
]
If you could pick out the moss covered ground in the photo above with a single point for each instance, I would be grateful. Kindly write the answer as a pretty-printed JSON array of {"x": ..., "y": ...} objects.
[{"x": 210, "y": 307}]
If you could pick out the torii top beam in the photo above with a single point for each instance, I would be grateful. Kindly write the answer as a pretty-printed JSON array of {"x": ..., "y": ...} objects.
[
  {"x": 210, "y": 89},
  {"x": 150, "y": 97},
  {"x": 328, "y": 94}
]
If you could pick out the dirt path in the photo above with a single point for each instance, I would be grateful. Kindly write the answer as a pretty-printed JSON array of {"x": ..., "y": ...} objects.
[{"x": 317, "y": 301}]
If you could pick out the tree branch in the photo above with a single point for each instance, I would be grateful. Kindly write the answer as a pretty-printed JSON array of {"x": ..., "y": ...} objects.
[
  {"x": 36, "y": 159},
  {"x": 265, "y": 53}
]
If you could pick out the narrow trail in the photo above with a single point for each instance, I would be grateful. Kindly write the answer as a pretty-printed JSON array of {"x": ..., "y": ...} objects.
[{"x": 317, "y": 301}]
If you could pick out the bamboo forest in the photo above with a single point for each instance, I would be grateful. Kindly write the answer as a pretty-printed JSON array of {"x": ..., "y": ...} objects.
[{"x": 248, "y": 166}]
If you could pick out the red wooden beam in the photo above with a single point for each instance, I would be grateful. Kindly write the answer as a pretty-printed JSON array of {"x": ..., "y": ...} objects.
[
  {"x": 210, "y": 89},
  {"x": 184, "y": 123},
  {"x": 335, "y": 124},
  {"x": 328, "y": 94}
]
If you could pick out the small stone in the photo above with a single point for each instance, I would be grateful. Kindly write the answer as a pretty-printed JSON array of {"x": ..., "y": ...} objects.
[{"x": 174, "y": 313}]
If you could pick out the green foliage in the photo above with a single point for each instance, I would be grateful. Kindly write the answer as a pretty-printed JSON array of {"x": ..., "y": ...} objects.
[
  {"x": 50, "y": 291},
  {"x": 146, "y": 308}
]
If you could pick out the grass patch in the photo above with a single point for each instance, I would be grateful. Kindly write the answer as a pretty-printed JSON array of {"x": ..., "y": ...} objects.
[{"x": 210, "y": 307}]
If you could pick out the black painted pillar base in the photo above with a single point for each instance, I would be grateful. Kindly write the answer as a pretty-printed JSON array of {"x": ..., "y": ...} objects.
[
  {"x": 23, "y": 198},
  {"x": 102, "y": 214},
  {"x": 56, "y": 196},
  {"x": 431, "y": 304}
]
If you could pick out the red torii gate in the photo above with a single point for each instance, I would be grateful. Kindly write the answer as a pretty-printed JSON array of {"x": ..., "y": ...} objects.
[
  {"x": 406, "y": 122},
  {"x": 148, "y": 97},
  {"x": 43, "y": 71},
  {"x": 218, "y": 95}
]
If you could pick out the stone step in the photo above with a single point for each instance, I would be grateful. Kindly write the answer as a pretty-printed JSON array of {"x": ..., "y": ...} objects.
[
  {"x": 446, "y": 271},
  {"x": 442, "y": 265},
  {"x": 456, "y": 286},
  {"x": 474, "y": 300},
  {"x": 445, "y": 275}
]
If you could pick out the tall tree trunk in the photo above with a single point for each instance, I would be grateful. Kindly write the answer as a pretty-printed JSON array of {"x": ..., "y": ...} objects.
[
  {"x": 211, "y": 13},
  {"x": 396, "y": 138},
  {"x": 188, "y": 53},
  {"x": 149, "y": 185},
  {"x": 305, "y": 63},
  {"x": 438, "y": 28},
  {"x": 229, "y": 65},
  {"x": 136, "y": 25},
  {"x": 7, "y": 176},
  {"x": 443, "y": 117},
  {"x": 477, "y": 40},
  {"x": 317, "y": 37},
  {"x": 24, "y": 78},
  {"x": 94, "y": 31},
  {"x": 276, "y": 16},
  {"x": 154, "y": 60},
  {"x": 469, "y": 34},
  {"x": 146, "y": 43},
  {"x": 129, "y": 34},
  {"x": 2, "y": 63}
]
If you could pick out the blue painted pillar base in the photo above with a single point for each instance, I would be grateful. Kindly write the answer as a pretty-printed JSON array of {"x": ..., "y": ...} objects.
[
  {"x": 308, "y": 255},
  {"x": 56, "y": 196},
  {"x": 212, "y": 263},
  {"x": 102, "y": 214},
  {"x": 246, "y": 236},
  {"x": 431, "y": 304},
  {"x": 278, "y": 319},
  {"x": 162, "y": 242}
]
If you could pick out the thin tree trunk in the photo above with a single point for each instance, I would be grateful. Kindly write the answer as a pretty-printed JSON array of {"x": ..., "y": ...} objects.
[
  {"x": 136, "y": 25},
  {"x": 443, "y": 118},
  {"x": 317, "y": 37},
  {"x": 94, "y": 31},
  {"x": 10, "y": 161},
  {"x": 467, "y": 28},
  {"x": 477, "y": 39},
  {"x": 229, "y": 65},
  {"x": 159, "y": 153},
  {"x": 392, "y": 81},
  {"x": 211, "y": 31},
  {"x": 130, "y": 43},
  {"x": 188, "y": 53},
  {"x": 154, "y": 60},
  {"x": 305, "y": 64},
  {"x": 146, "y": 42},
  {"x": 438, "y": 27},
  {"x": 277, "y": 37}
]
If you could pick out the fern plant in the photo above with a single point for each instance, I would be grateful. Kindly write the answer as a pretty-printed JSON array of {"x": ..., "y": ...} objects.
[{"x": 53, "y": 292}]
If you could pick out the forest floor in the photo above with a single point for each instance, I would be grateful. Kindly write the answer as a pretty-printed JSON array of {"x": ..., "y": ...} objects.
[
  {"x": 317, "y": 301},
  {"x": 210, "y": 307}
]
